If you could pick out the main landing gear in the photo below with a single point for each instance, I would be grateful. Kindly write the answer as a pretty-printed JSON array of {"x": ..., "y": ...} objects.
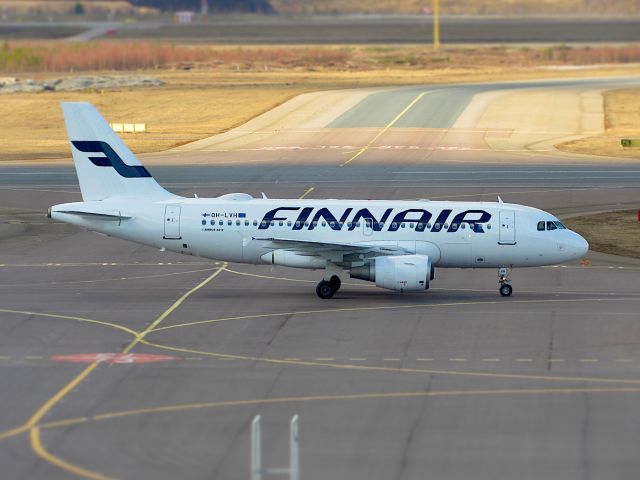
[
  {"x": 505, "y": 281},
  {"x": 327, "y": 288}
]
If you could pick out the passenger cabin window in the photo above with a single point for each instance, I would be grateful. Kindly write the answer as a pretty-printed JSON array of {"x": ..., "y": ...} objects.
[{"x": 541, "y": 226}]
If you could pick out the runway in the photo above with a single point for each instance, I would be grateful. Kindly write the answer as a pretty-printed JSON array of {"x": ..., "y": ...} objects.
[
  {"x": 455, "y": 383},
  {"x": 344, "y": 29},
  {"x": 391, "y": 29}
]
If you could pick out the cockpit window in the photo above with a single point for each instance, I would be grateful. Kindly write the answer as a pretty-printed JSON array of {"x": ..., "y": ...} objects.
[
  {"x": 541, "y": 226},
  {"x": 551, "y": 226},
  {"x": 560, "y": 225}
]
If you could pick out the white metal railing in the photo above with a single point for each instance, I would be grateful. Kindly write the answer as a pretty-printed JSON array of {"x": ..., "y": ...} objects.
[{"x": 257, "y": 470}]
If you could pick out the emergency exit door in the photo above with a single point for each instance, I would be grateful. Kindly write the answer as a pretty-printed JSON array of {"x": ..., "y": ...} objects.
[
  {"x": 172, "y": 222},
  {"x": 507, "y": 227}
]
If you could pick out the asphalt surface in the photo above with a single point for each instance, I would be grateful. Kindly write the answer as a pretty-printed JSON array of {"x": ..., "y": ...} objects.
[
  {"x": 455, "y": 383},
  {"x": 358, "y": 29},
  {"x": 394, "y": 29}
]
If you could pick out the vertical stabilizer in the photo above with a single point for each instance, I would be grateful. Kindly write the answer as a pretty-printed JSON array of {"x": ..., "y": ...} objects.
[{"x": 105, "y": 165}]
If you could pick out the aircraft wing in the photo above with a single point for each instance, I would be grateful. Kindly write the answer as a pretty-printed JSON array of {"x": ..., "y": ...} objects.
[{"x": 331, "y": 249}]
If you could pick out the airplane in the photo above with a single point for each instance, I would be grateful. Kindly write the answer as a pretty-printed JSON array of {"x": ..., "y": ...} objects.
[{"x": 396, "y": 244}]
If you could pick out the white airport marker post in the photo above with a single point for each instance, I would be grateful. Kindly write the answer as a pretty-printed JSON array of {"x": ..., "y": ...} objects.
[{"x": 257, "y": 471}]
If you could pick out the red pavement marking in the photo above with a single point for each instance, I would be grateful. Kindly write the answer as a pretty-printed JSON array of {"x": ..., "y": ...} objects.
[{"x": 112, "y": 358}]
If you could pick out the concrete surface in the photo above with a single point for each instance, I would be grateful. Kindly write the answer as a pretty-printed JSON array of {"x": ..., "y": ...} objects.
[
  {"x": 332, "y": 29},
  {"x": 385, "y": 29},
  {"x": 456, "y": 383},
  {"x": 420, "y": 123}
]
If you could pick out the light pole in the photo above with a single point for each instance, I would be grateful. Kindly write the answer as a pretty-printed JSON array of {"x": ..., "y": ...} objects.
[{"x": 436, "y": 24}]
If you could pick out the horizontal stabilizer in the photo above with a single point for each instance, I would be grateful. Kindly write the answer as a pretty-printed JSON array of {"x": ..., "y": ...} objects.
[{"x": 95, "y": 215}]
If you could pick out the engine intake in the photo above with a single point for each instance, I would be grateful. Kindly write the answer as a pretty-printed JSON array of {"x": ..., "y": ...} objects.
[{"x": 403, "y": 273}]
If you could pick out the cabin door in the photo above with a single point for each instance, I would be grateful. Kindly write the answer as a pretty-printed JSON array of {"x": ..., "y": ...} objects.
[
  {"x": 172, "y": 222},
  {"x": 507, "y": 227}
]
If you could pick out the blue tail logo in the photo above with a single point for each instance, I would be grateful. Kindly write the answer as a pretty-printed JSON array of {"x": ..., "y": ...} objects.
[{"x": 110, "y": 159}]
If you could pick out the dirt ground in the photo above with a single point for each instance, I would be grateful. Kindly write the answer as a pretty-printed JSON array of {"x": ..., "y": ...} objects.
[
  {"x": 622, "y": 120},
  {"x": 199, "y": 103},
  {"x": 617, "y": 233},
  {"x": 460, "y": 7}
]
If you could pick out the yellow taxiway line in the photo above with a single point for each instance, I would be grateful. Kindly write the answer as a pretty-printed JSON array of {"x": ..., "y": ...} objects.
[
  {"x": 140, "y": 336},
  {"x": 387, "y": 127},
  {"x": 31, "y": 425}
]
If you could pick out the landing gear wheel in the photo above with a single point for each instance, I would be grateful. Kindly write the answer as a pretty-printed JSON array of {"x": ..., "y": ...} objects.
[
  {"x": 506, "y": 290},
  {"x": 325, "y": 290},
  {"x": 335, "y": 283}
]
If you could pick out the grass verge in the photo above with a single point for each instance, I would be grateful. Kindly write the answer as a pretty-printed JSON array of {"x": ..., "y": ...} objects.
[
  {"x": 200, "y": 98},
  {"x": 617, "y": 233},
  {"x": 622, "y": 120}
]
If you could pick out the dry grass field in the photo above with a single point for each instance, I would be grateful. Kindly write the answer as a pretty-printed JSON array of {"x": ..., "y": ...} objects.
[
  {"x": 622, "y": 120},
  {"x": 209, "y": 89},
  {"x": 56, "y": 56},
  {"x": 451, "y": 7},
  {"x": 58, "y": 7},
  {"x": 200, "y": 103},
  {"x": 617, "y": 233},
  {"x": 458, "y": 7}
]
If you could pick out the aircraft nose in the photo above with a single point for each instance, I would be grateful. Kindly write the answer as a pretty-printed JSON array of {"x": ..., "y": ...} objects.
[{"x": 578, "y": 245}]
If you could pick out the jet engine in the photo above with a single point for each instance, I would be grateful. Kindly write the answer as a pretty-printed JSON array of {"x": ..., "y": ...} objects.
[{"x": 404, "y": 273}]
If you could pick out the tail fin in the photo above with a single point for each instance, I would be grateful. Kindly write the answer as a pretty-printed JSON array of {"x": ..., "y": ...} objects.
[{"x": 105, "y": 166}]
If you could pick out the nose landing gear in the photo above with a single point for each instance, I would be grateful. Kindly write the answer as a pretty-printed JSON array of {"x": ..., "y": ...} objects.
[{"x": 504, "y": 280}]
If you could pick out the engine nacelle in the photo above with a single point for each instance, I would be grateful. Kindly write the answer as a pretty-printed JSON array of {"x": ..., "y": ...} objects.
[
  {"x": 404, "y": 273},
  {"x": 287, "y": 258}
]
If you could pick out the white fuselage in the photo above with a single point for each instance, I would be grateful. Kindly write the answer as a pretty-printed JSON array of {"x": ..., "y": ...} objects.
[{"x": 238, "y": 228}]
